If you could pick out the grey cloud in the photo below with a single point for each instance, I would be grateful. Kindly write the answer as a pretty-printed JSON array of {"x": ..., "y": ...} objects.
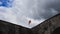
[
  {"x": 47, "y": 9},
  {"x": 35, "y": 9}
]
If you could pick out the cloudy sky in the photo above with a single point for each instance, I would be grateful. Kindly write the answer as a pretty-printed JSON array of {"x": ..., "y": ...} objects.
[{"x": 24, "y": 10}]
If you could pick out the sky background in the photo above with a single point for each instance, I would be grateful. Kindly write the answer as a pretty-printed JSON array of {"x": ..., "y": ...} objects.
[{"x": 24, "y": 10}]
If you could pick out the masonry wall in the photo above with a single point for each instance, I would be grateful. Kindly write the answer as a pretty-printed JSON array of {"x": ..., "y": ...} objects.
[
  {"x": 8, "y": 28},
  {"x": 48, "y": 26}
]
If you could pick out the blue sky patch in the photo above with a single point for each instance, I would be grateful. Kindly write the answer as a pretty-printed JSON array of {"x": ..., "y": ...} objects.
[{"x": 6, "y": 3}]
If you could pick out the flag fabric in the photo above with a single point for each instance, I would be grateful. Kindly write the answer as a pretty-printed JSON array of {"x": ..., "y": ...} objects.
[{"x": 29, "y": 21}]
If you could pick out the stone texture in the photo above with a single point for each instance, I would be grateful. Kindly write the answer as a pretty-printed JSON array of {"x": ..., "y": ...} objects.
[
  {"x": 48, "y": 26},
  {"x": 8, "y": 28}
]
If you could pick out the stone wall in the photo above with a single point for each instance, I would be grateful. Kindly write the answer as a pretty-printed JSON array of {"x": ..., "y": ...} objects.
[
  {"x": 8, "y": 28},
  {"x": 48, "y": 26}
]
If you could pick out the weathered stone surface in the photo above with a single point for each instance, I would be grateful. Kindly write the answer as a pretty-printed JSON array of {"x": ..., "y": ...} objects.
[
  {"x": 49, "y": 26},
  {"x": 8, "y": 28}
]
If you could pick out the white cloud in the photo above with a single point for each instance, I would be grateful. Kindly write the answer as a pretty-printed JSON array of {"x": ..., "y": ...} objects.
[{"x": 24, "y": 10}]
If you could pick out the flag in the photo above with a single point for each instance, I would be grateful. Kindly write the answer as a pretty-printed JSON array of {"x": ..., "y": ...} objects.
[{"x": 29, "y": 21}]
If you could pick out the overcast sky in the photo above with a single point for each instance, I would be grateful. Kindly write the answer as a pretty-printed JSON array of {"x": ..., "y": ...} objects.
[{"x": 24, "y": 10}]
